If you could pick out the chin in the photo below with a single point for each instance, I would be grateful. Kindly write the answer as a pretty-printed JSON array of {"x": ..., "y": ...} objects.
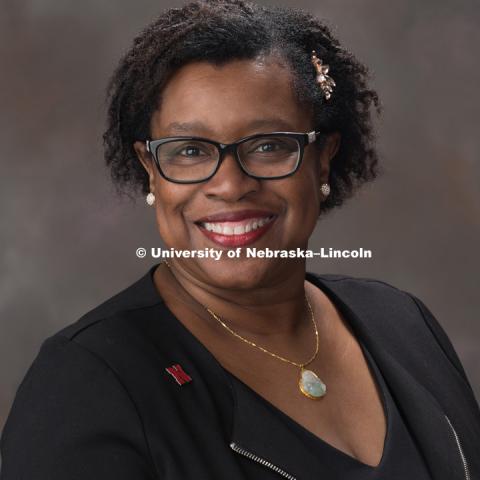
[{"x": 240, "y": 274}]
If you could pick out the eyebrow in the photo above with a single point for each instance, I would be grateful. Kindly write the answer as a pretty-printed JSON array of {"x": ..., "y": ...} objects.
[{"x": 189, "y": 127}]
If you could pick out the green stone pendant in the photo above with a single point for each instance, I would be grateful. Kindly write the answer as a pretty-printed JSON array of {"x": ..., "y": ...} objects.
[{"x": 310, "y": 385}]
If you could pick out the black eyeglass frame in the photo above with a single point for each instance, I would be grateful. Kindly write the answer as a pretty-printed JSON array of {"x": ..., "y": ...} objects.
[{"x": 303, "y": 140}]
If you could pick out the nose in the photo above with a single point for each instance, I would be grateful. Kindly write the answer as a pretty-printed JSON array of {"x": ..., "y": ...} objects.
[{"x": 230, "y": 182}]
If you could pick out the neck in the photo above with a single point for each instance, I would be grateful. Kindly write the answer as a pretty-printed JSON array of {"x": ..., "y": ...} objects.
[{"x": 278, "y": 309}]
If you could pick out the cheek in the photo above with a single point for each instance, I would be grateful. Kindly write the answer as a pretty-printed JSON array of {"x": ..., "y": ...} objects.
[
  {"x": 303, "y": 207},
  {"x": 305, "y": 193},
  {"x": 171, "y": 200}
]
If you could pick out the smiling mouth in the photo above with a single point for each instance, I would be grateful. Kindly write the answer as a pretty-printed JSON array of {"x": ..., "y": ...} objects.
[
  {"x": 239, "y": 227},
  {"x": 236, "y": 233}
]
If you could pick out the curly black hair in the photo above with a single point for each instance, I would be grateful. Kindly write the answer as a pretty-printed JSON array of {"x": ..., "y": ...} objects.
[{"x": 218, "y": 31}]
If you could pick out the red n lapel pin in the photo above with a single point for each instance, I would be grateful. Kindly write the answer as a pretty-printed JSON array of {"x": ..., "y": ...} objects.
[{"x": 176, "y": 371}]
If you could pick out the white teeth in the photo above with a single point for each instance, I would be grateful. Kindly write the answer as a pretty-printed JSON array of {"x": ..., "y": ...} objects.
[{"x": 226, "y": 229}]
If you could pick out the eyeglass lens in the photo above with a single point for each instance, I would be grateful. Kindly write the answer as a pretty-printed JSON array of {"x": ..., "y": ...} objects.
[{"x": 191, "y": 160}]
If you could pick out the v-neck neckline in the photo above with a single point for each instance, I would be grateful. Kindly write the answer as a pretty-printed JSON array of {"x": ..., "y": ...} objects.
[
  {"x": 421, "y": 409},
  {"x": 312, "y": 438},
  {"x": 253, "y": 395}
]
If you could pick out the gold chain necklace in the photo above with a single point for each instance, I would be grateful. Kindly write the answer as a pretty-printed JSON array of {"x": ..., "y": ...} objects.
[{"x": 309, "y": 382}]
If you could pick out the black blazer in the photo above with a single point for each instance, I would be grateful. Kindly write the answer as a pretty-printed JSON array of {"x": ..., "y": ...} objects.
[{"x": 99, "y": 403}]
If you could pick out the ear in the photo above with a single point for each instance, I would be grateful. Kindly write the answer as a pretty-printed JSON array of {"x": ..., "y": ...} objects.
[
  {"x": 146, "y": 160},
  {"x": 329, "y": 150}
]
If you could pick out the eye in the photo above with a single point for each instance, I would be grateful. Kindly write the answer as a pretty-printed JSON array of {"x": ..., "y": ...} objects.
[
  {"x": 271, "y": 146},
  {"x": 267, "y": 147},
  {"x": 186, "y": 153},
  {"x": 190, "y": 151}
]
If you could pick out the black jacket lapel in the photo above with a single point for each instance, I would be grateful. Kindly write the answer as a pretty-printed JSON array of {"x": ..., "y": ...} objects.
[
  {"x": 258, "y": 430},
  {"x": 422, "y": 413}
]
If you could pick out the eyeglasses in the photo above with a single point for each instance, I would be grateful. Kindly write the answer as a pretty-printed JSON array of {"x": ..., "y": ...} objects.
[{"x": 263, "y": 156}]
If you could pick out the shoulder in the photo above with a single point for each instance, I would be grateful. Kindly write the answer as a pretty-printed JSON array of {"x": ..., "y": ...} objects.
[
  {"x": 367, "y": 290},
  {"x": 400, "y": 311},
  {"x": 359, "y": 284},
  {"x": 368, "y": 294},
  {"x": 108, "y": 341},
  {"x": 69, "y": 400},
  {"x": 137, "y": 297},
  {"x": 78, "y": 389},
  {"x": 75, "y": 350}
]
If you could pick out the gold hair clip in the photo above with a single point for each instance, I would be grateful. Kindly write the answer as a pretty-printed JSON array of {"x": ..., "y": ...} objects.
[{"x": 326, "y": 82}]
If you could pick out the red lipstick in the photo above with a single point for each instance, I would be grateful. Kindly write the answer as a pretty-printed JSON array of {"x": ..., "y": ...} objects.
[{"x": 236, "y": 229}]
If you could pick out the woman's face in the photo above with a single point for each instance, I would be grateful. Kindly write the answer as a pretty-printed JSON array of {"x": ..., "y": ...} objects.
[{"x": 226, "y": 103}]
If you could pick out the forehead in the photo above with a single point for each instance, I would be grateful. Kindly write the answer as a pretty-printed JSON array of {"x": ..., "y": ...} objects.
[{"x": 233, "y": 97}]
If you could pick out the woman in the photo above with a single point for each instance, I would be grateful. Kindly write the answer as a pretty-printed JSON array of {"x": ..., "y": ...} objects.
[{"x": 242, "y": 124}]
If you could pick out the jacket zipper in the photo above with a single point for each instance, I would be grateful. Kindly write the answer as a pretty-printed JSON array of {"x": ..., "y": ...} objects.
[
  {"x": 460, "y": 450},
  {"x": 281, "y": 472},
  {"x": 261, "y": 460}
]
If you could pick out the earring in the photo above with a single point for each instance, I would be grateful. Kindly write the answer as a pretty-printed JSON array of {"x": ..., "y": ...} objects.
[
  {"x": 150, "y": 199},
  {"x": 325, "y": 189}
]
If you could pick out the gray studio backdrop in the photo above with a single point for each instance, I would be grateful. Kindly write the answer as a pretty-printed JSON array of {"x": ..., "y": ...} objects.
[{"x": 68, "y": 242}]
